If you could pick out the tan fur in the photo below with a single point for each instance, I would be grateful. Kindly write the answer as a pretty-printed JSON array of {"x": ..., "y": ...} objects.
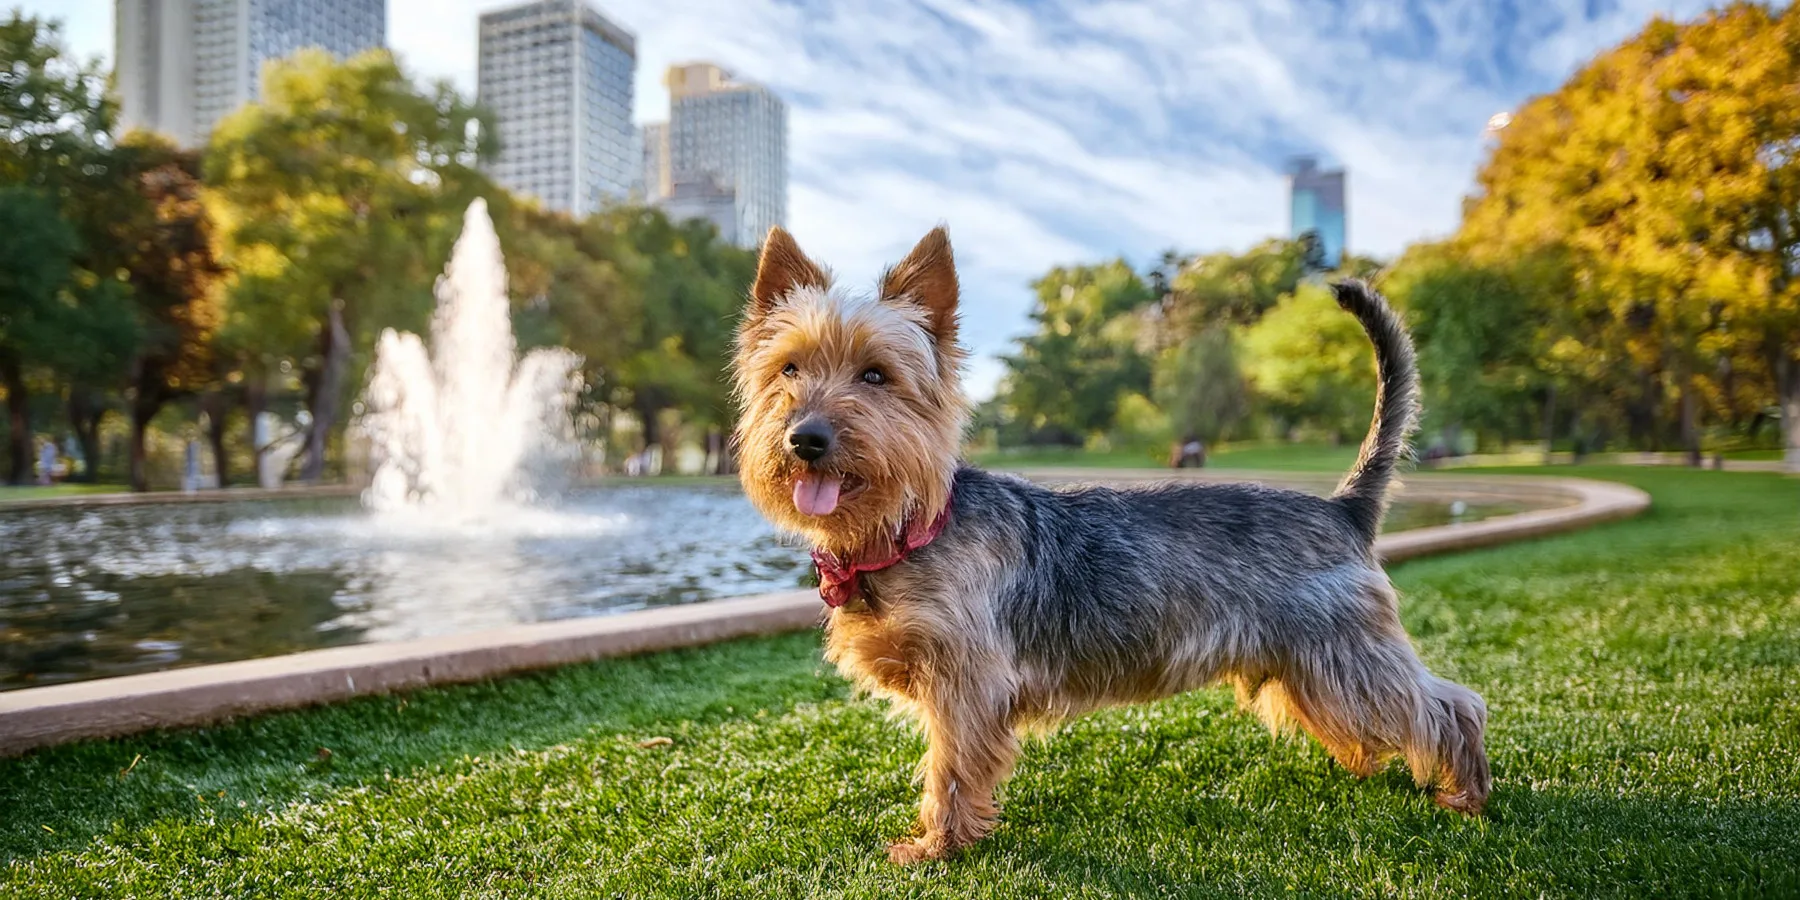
[
  {"x": 934, "y": 647},
  {"x": 906, "y": 433}
]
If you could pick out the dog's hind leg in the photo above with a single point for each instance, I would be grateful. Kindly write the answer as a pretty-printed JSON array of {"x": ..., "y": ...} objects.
[
  {"x": 1283, "y": 709},
  {"x": 1368, "y": 698}
]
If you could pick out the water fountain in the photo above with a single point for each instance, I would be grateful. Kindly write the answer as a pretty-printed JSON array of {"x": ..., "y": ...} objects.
[
  {"x": 462, "y": 436},
  {"x": 465, "y": 434}
]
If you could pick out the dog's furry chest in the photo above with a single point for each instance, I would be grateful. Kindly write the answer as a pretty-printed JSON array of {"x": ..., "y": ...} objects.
[{"x": 871, "y": 652}]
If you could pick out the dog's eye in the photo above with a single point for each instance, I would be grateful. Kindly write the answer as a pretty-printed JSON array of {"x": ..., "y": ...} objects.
[
  {"x": 790, "y": 370},
  {"x": 873, "y": 376}
]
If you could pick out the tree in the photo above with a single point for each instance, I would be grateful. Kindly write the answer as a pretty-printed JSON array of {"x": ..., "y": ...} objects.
[
  {"x": 1238, "y": 288},
  {"x": 1201, "y": 386},
  {"x": 690, "y": 292},
  {"x": 166, "y": 247},
  {"x": 1065, "y": 382},
  {"x": 1311, "y": 362},
  {"x": 36, "y": 260},
  {"x": 1481, "y": 329},
  {"x": 54, "y": 117},
  {"x": 343, "y": 189},
  {"x": 1668, "y": 171}
]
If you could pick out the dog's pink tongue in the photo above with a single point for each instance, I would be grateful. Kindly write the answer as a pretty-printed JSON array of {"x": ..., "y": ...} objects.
[{"x": 816, "y": 495}]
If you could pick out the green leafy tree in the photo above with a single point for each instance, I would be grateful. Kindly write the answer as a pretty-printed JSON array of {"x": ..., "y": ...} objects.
[
  {"x": 1201, "y": 386},
  {"x": 343, "y": 189},
  {"x": 1066, "y": 381},
  {"x": 1482, "y": 332},
  {"x": 54, "y": 117},
  {"x": 1238, "y": 288},
  {"x": 575, "y": 285},
  {"x": 1311, "y": 363},
  {"x": 691, "y": 289},
  {"x": 36, "y": 261}
]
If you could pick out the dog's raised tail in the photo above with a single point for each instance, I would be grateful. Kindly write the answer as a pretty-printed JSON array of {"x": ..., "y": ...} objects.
[{"x": 1364, "y": 491}]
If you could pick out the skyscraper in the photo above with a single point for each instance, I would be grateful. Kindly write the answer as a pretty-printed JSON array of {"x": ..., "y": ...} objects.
[
  {"x": 1316, "y": 204},
  {"x": 182, "y": 65},
  {"x": 654, "y": 146},
  {"x": 723, "y": 154},
  {"x": 557, "y": 76}
]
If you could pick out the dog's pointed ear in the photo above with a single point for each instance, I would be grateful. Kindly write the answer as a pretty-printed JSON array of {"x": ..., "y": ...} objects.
[
  {"x": 927, "y": 278},
  {"x": 781, "y": 269}
]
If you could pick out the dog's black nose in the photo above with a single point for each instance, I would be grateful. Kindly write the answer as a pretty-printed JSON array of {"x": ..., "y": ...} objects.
[{"x": 811, "y": 439}]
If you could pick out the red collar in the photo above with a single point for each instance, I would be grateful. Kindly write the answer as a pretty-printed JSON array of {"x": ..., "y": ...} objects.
[{"x": 841, "y": 581}]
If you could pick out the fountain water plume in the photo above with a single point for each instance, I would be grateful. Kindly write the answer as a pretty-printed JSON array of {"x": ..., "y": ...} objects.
[{"x": 468, "y": 429}]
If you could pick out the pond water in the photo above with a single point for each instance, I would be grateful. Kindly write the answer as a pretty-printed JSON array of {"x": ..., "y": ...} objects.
[{"x": 99, "y": 591}]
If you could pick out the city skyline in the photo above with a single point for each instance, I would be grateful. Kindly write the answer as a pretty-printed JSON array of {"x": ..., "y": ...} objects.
[
  {"x": 557, "y": 76},
  {"x": 1048, "y": 133},
  {"x": 185, "y": 64},
  {"x": 722, "y": 154},
  {"x": 1316, "y": 206}
]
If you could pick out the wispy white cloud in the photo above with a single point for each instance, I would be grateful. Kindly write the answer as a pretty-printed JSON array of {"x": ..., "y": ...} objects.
[{"x": 1063, "y": 130}]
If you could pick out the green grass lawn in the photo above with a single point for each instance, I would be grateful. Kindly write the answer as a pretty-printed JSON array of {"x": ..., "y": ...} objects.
[
  {"x": 66, "y": 489},
  {"x": 1758, "y": 455},
  {"x": 1260, "y": 456},
  {"x": 1643, "y": 677}
]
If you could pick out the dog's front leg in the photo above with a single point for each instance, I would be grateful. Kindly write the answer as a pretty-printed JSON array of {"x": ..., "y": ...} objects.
[{"x": 971, "y": 749}]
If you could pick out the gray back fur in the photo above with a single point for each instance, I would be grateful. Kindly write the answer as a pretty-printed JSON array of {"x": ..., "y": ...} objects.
[{"x": 1100, "y": 583}]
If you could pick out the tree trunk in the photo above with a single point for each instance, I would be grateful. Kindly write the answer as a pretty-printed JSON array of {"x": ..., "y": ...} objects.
[
  {"x": 18, "y": 421},
  {"x": 670, "y": 440},
  {"x": 85, "y": 416},
  {"x": 256, "y": 400},
  {"x": 720, "y": 443},
  {"x": 334, "y": 346},
  {"x": 143, "y": 409},
  {"x": 1787, "y": 373},
  {"x": 216, "y": 405},
  {"x": 650, "y": 419},
  {"x": 1690, "y": 420},
  {"x": 1549, "y": 423}
]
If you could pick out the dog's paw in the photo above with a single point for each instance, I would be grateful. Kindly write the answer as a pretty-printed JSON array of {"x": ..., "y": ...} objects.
[
  {"x": 906, "y": 853},
  {"x": 1462, "y": 801}
]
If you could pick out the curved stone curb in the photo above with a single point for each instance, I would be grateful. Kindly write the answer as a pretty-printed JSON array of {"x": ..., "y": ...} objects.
[
  {"x": 1595, "y": 502},
  {"x": 110, "y": 707}
]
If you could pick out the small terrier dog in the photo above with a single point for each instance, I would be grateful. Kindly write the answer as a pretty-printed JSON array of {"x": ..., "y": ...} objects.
[{"x": 986, "y": 605}]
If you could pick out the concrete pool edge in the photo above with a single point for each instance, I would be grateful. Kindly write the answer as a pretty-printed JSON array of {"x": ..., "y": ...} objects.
[
  {"x": 208, "y": 495},
  {"x": 199, "y": 695},
  {"x": 33, "y": 718}
]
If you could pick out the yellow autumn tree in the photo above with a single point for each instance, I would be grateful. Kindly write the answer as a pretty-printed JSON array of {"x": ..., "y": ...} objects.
[{"x": 1668, "y": 172}]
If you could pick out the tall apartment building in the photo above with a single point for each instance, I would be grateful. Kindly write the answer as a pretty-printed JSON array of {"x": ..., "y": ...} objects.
[
  {"x": 1316, "y": 204},
  {"x": 722, "y": 156},
  {"x": 557, "y": 76},
  {"x": 182, "y": 65}
]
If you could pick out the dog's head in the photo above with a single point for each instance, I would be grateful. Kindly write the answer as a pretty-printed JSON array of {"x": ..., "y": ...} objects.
[{"x": 853, "y": 410}]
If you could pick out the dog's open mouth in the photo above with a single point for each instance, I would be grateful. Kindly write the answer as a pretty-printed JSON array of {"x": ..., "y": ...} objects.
[{"x": 819, "y": 493}]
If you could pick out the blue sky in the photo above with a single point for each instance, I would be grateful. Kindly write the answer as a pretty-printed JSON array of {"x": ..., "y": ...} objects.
[{"x": 1048, "y": 132}]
